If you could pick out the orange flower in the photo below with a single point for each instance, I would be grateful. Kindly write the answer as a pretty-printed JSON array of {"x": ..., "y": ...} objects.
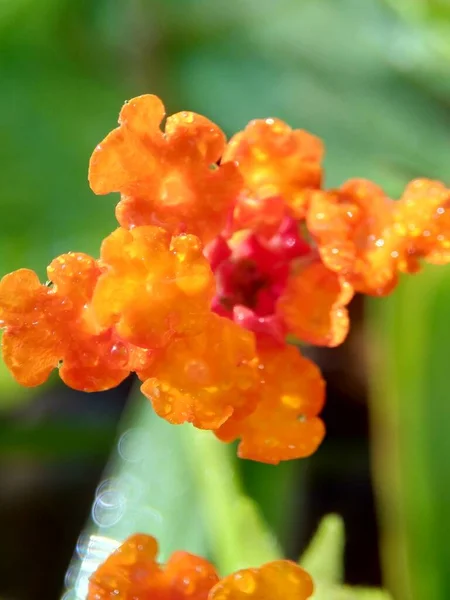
[
  {"x": 422, "y": 224},
  {"x": 45, "y": 325},
  {"x": 277, "y": 580},
  {"x": 169, "y": 179},
  {"x": 313, "y": 305},
  {"x": 285, "y": 424},
  {"x": 132, "y": 573},
  {"x": 153, "y": 286},
  {"x": 352, "y": 228},
  {"x": 206, "y": 378},
  {"x": 278, "y": 165}
]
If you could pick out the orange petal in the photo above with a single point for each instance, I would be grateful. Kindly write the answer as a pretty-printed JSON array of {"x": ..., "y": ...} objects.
[
  {"x": 422, "y": 224},
  {"x": 95, "y": 363},
  {"x": 352, "y": 229},
  {"x": 31, "y": 354},
  {"x": 199, "y": 131},
  {"x": 131, "y": 570},
  {"x": 277, "y": 161},
  {"x": 278, "y": 580},
  {"x": 204, "y": 379},
  {"x": 170, "y": 180},
  {"x": 127, "y": 158},
  {"x": 143, "y": 115},
  {"x": 313, "y": 305},
  {"x": 153, "y": 287},
  {"x": 48, "y": 325},
  {"x": 284, "y": 424},
  {"x": 20, "y": 293},
  {"x": 189, "y": 576},
  {"x": 74, "y": 275}
]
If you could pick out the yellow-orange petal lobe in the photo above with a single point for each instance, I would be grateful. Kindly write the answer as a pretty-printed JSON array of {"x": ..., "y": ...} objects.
[
  {"x": 189, "y": 576},
  {"x": 30, "y": 354},
  {"x": 20, "y": 292},
  {"x": 129, "y": 572},
  {"x": 352, "y": 229},
  {"x": 284, "y": 425},
  {"x": 152, "y": 286},
  {"x": 46, "y": 326},
  {"x": 422, "y": 224},
  {"x": 275, "y": 162},
  {"x": 133, "y": 573},
  {"x": 313, "y": 305},
  {"x": 206, "y": 378},
  {"x": 169, "y": 179},
  {"x": 278, "y": 580}
]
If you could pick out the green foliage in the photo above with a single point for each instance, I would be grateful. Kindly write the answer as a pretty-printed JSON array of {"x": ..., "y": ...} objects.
[
  {"x": 153, "y": 485},
  {"x": 411, "y": 335},
  {"x": 180, "y": 485},
  {"x": 324, "y": 560},
  {"x": 228, "y": 512}
]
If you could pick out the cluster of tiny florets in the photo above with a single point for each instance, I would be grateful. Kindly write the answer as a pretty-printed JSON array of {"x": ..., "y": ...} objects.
[
  {"x": 224, "y": 251},
  {"x": 133, "y": 573}
]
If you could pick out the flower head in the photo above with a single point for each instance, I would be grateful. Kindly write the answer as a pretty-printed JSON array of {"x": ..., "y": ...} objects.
[
  {"x": 133, "y": 573},
  {"x": 224, "y": 251}
]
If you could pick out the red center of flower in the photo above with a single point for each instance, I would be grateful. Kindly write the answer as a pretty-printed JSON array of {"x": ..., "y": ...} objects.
[{"x": 251, "y": 274}]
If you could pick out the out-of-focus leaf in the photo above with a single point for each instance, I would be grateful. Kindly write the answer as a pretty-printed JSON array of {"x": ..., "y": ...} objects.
[
  {"x": 324, "y": 561},
  {"x": 410, "y": 422},
  {"x": 283, "y": 503},
  {"x": 148, "y": 487},
  {"x": 236, "y": 532},
  {"x": 431, "y": 20},
  {"x": 178, "y": 484},
  {"x": 324, "y": 556},
  {"x": 349, "y": 593}
]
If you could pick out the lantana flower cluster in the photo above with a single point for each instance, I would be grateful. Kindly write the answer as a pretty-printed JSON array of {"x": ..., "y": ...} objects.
[
  {"x": 133, "y": 573},
  {"x": 224, "y": 251}
]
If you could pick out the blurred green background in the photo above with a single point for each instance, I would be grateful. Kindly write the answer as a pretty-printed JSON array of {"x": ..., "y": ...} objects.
[{"x": 372, "y": 78}]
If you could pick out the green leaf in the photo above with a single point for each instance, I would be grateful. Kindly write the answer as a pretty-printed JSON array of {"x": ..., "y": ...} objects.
[
  {"x": 228, "y": 511},
  {"x": 150, "y": 472},
  {"x": 324, "y": 557},
  {"x": 410, "y": 337},
  {"x": 178, "y": 484},
  {"x": 349, "y": 593},
  {"x": 324, "y": 561},
  {"x": 148, "y": 487}
]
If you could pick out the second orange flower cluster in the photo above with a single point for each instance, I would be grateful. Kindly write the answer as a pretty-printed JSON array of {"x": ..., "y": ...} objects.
[
  {"x": 133, "y": 573},
  {"x": 223, "y": 251}
]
